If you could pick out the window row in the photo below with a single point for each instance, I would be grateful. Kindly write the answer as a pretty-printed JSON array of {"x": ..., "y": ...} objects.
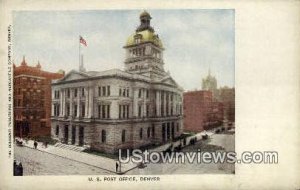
[
  {"x": 104, "y": 91},
  {"x": 103, "y": 111},
  {"x": 124, "y": 92},
  {"x": 68, "y": 93},
  {"x": 143, "y": 92},
  {"x": 123, "y": 111},
  {"x": 150, "y": 132}
]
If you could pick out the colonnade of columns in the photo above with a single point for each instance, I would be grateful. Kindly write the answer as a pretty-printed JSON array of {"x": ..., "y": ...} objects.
[
  {"x": 164, "y": 103},
  {"x": 81, "y": 101}
]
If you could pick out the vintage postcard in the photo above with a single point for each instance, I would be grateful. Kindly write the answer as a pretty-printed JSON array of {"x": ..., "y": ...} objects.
[{"x": 103, "y": 96}]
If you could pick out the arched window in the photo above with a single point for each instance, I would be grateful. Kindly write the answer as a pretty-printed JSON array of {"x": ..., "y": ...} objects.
[
  {"x": 57, "y": 130},
  {"x": 103, "y": 136},
  {"x": 148, "y": 132},
  {"x": 141, "y": 133},
  {"x": 123, "y": 135}
]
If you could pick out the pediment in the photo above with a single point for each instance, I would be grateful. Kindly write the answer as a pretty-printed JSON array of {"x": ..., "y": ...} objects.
[
  {"x": 169, "y": 81},
  {"x": 74, "y": 75}
]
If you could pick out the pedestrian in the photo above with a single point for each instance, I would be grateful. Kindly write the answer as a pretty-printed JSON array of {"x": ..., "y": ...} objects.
[
  {"x": 20, "y": 169},
  {"x": 15, "y": 167},
  {"x": 46, "y": 144},
  {"x": 117, "y": 166},
  {"x": 35, "y": 144}
]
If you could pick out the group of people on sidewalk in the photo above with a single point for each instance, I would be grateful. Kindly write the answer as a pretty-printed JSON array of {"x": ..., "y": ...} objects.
[{"x": 19, "y": 142}]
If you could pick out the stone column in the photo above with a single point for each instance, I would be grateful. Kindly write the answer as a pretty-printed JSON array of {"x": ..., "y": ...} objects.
[
  {"x": 71, "y": 102},
  {"x": 135, "y": 102},
  {"x": 165, "y": 103},
  {"x": 170, "y": 103},
  {"x": 77, "y": 135},
  {"x": 61, "y": 103},
  {"x": 158, "y": 103},
  {"x": 174, "y": 104},
  {"x": 90, "y": 106},
  {"x": 61, "y": 133},
  {"x": 70, "y": 134},
  {"x": 64, "y": 102},
  {"x": 78, "y": 102},
  {"x": 52, "y": 109},
  {"x": 144, "y": 103},
  {"x": 86, "y": 101}
]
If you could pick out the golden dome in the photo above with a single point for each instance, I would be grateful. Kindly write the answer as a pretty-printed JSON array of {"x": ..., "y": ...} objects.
[{"x": 146, "y": 36}]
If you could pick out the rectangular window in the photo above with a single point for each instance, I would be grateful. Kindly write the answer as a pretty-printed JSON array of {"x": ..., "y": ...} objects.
[
  {"x": 153, "y": 130},
  {"x": 103, "y": 91},
  {"x": 124, "y": 92},
  {"x": 103, "y": 111},
  {"x": 82, "y": 109},
  {"x": 68, "y": 93},
  {"x": 127, "y": 92},
  {"x": 68, "y": 110},
  {"x": 75, "y": 93},
  {"x": 140, "y": 93},
  {"x": 124, "y": 111},
  {"x": 140, "y": 111},
  {"x": 127, "y": 111},
  {"x": 120, "y": 107},
  {"x": 120, "y": 92},
  {"x": 108, "y": 111},
  {"x": 108, "y": 90},
  {"x": 99, "y": 91},
  {"x": 147, "y": 110},
  {"x": 75, "y": 110},
  {"x": 82, "y": 92},
  {"x": 147, "y": 93},
  {"x": 58, "y": 110}
]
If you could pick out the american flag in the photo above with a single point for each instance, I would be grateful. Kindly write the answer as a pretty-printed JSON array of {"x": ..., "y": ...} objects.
[{"x": 82, "y": 41}]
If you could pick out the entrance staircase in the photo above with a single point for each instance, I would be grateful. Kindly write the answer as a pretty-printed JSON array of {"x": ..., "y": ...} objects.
[{"x": 70, "y": 147}]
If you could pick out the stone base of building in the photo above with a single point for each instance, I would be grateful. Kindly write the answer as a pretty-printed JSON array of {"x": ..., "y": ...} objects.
[{"x": 110, "y": 137}]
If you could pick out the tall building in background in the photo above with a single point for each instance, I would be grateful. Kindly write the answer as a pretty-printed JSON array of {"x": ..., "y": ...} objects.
[
  {"x": 32, "y": 100},
  {"x": 115, "y": 109},
  {"x": 201, "y": 111},
  {"x": 210, "y": 83},
  {"x": 225, "y": 95}
]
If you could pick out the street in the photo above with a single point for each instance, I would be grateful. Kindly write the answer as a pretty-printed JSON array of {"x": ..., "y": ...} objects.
[
  {"x": 36, "y": 162},
  {"x": 225, "y": 141}
]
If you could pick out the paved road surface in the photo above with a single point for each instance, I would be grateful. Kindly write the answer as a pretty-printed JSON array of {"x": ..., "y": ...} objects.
[{"x": 36, "y": 162}]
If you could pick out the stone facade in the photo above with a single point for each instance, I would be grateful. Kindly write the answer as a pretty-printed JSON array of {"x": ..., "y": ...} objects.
[{"x": 115, "y": 109}]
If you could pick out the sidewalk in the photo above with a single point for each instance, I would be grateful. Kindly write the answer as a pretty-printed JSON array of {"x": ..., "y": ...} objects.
[
  {"x": 104, "y": 163},
  {"x": 82, "y": 157},
  {"x": 188, "y": 139}
]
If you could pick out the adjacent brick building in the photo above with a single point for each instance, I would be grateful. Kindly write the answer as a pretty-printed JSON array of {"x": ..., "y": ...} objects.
[
  {"x": 32, "y": 100},
  {"x": 201, "y": 111},
  {"x": 227, "y": 97}
]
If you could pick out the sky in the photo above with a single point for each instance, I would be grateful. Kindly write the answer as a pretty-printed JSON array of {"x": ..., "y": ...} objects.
[{"x": 194, "y": 41}]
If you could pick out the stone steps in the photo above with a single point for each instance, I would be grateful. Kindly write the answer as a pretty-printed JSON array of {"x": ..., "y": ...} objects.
[{"x": 70, "y": 147}]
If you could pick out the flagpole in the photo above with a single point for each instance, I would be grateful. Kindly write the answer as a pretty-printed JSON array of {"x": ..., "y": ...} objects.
[{"x": 79, "y": 54}]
